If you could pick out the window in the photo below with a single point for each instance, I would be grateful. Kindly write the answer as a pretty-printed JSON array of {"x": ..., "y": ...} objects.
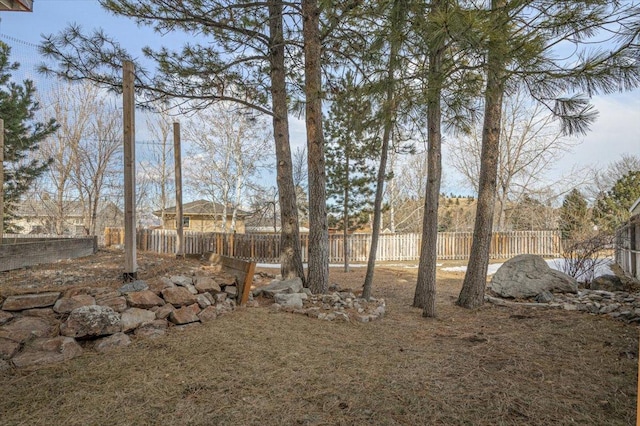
[{"x": 185, "y": 221}]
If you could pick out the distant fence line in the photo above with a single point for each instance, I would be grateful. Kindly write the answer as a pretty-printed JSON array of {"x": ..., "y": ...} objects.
[{"x": 265, "y": 248}]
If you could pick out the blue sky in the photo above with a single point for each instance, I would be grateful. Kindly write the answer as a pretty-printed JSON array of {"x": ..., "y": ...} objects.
[{"x": 617, "y": 130}]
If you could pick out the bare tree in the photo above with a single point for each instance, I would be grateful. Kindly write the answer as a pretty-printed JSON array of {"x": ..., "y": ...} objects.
[
  {"x": 230, "y": 146},
  {"x": 72, "y": 105},
  {"x": 157, "y": 167},
  {"x": 97, "y": 157},
  {"x": 531, "y": 145}
]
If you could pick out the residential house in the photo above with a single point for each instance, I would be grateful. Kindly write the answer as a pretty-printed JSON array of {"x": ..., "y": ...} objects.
[
  {"x": 628, "y": 243},
  {"x": 203, "y": 216},
  {"x": 46, "y": 217}
]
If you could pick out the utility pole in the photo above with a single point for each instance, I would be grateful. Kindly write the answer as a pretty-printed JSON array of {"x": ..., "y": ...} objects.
[
  {"x": 128, "y": 112},
  {"x": 177, "y": 153}
]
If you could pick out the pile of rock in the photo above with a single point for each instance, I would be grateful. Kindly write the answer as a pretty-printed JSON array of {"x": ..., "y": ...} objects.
[
  {"x": 49, "y": 327},
  {"x": 529, "y": 277},
  {"x": 619, "y": 305},
  {"x": 290, "y": 295}
]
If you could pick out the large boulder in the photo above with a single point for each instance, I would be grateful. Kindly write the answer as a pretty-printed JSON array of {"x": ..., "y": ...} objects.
[
  {"x": 527, "y": 276},
  {"x": 91, "y": 321},
  {"x": 293, "y": 285}
]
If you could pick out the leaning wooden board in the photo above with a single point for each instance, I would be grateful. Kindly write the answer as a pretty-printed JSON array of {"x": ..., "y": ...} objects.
[{"x": 240, "y": 269}]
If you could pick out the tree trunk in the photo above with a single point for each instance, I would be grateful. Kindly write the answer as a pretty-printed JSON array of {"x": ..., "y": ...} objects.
[
  {"x": 397, "y": 21},
  {"x": 290, "y": 254},
  {"x": 425, "y": 294},
  {"x": 475, "y": 280},
  {"x": 318, "y": 273},
  {"x": 345, "y": 215}
]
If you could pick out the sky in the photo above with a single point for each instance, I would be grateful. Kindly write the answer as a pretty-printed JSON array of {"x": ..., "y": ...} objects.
[{"x": 617, "y": 130}]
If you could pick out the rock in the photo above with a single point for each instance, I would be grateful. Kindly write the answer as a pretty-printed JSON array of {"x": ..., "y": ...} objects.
[
  {"x": 91, "y": 321},
  {"x": 30, "y": 301},
  {"x": 164, "y": 311},
  {"x": 8, "y": 348},
  {"x": 286, "y": 300},
  {"x": 544, "y": 297},
  {"x": 203, "y": 301},
  {"x": 293, "y": 285},
  {"x": 225, "y": 307},
  {"x": 109, "y": 343},
  {"x": 607, "y": 282},
  {"x": 232, "y": 291},
  {"x": 527, "y": 276},
  {"x": 5, "y": 317},
  {"x": 65, "y": 305},
  {"x": 341, "y": 316},
  {"x": 185, "y": 315},
  {"x": 133, "y": 318},
  {"x": 167, "y": 283},
  {"x": 117, "y": 303},
  {"x": 46, "y": 313},
  {"x": 208, "y": 314},
  {"x": 307, "y": 291},
  {"x": 22, "y": 329},
  {"x": 220, "y": 297},
  {"x": 143, "y": 299},
  {"x": 178, "y": 296},
  {"x": 181, "y": 280},
  {"x": 209, "y": 297},
  {"x": 133, "y": 286},
  {"x": 207, "y": 284},
  {"x": 47, "y": 351},
  {"x": 152, "y": 330}
]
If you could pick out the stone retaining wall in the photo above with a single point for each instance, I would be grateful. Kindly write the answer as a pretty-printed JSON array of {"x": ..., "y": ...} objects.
[{"x": 28, "y": 252}]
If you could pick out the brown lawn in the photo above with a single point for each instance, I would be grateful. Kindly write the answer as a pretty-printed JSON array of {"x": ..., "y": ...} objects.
[{"x": 491, "y": 366}]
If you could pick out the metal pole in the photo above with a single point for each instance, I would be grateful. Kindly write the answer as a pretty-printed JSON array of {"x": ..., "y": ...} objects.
[
  {"x": 128, "y": 112},
  {"x": 177, "y": 153}
]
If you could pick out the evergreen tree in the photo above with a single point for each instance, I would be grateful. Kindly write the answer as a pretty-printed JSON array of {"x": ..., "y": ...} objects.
[
  {"x": 612, "y": 209},
  {"x": 574, "y": 215},
  {"x": 22, "y": 134},
  {"x": 348, "y": 153}
]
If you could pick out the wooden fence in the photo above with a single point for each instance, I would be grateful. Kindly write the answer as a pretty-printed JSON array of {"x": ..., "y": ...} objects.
[{"x": 265, "y": 248}]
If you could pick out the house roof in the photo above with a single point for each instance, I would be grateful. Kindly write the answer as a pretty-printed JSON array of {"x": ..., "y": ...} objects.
[
  {"x": 202, "y": 208},
  {"x": 17, "y": 5}
]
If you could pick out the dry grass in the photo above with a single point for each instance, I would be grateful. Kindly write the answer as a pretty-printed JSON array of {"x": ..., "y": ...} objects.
[{"x": 491, "y": 366}]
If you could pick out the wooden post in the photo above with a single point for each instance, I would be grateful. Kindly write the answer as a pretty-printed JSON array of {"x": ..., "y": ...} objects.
[
  {"x": 128, "y": 113},
  {"x": 1, "y": 179},
  {"x": 177, "y": 157}
]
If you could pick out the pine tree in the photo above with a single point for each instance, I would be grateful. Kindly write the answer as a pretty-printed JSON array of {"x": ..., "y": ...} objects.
[
  {"x": 612, "y": 209},
  {"x": 348, "y": 153},
  {"x": 22, "y": 134},
  {"x": 574, "y": 215}
]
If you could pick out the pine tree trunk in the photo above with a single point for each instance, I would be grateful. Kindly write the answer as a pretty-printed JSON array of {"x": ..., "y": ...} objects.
[
  {"x": 425, "y": 294},
  {"x": 475, "y": 280},
  {"x": 345, "y": 216},
  {"x": 290, "y": 253},
  {"x": 318, "y": 273},
  {"x": 397, "y": 21}
]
